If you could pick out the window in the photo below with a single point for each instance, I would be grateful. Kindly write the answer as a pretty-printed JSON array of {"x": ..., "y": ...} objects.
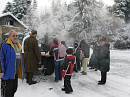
[{"x": 11, "y": 22}]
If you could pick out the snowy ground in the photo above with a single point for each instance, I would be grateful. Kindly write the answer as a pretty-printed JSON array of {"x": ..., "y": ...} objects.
[{"x": 118, "y": 82}]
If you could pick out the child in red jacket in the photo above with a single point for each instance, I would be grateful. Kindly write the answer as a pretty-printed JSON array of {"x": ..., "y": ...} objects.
[{"x": 68, "y": 68}]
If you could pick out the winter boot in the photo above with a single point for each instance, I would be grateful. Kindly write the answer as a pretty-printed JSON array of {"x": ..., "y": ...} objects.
[
  {"x": 32, "y": 82},
  {"x": 84, "y": 73},
  {"x": 101, "y": 83}
]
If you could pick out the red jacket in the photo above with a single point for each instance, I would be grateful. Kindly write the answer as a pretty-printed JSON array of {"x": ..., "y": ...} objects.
[{"x": 69, "y": 64}]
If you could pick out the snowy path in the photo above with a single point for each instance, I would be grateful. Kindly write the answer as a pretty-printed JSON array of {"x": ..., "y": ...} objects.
[{"x": 118, "y": 82}]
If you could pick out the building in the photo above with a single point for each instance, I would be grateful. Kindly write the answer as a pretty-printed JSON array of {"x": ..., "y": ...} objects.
[{"x": 9, "y": 22}]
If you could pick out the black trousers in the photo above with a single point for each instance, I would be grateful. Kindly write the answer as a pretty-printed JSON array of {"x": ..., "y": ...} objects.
[
  {"x": 29, "y": 76},
  {"x": 67, "y": 84},
  {"x": 103, "y": 77},
  {"x": 9, "y": 87},
  {"x": 78, "y": 65}
]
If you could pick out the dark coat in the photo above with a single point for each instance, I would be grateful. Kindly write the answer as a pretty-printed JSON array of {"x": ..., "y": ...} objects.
[
  {"x": 85, "y": 48},
  {"x": 104, "y": 58},
  {"x": 32, "y": 54},
  {"x": 94, "y": 58}
]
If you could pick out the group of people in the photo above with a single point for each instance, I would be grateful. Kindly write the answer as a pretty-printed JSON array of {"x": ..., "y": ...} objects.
[
  {"x": 67, "y": 60},
  {"x": 80, "y": 57}
]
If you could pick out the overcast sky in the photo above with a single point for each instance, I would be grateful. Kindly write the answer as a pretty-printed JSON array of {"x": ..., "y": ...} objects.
[{"x": 44, "y": 3}]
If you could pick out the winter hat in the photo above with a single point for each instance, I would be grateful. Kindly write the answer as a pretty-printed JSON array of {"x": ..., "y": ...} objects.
[
  {"x": 63, "y": 42},
  {"x": 76, "y": 44},
  {"x": 55, "y": 41},
  {"x": 70, "y": 50},
  {"x": 33, "y": 32}
]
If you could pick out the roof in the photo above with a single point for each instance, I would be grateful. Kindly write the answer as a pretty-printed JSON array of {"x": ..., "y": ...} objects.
[{"x": 9, "y": 14}]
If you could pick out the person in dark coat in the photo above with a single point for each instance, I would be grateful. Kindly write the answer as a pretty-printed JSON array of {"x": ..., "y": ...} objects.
[
  {"x": 77, "y": 53},
  {"x": 85, "y": 47},
  {"x": 32, "y": 56},
  {"x": 104, "y": 60}
]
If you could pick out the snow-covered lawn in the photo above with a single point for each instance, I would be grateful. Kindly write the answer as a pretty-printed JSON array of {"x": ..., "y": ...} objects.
[{"x": 118, "y": 82}]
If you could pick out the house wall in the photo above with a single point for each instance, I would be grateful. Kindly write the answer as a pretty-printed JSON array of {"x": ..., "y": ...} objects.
[
  {"x": 6, "y": 26},
  {"x": 6, "y": 29},
  {"x": 6, "y": 21}
]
